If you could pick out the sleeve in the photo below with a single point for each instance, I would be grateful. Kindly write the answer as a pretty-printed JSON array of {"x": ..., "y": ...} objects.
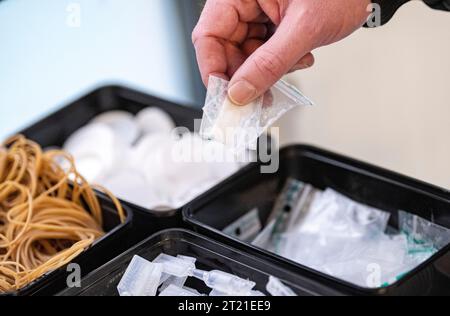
[
  {"x": 389, "y": 7},
  {"x": 439, "y": 4}
]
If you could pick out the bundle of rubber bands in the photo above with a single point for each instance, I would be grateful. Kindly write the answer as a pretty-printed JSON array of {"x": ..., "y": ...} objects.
[{"x": 48, "y": 213}]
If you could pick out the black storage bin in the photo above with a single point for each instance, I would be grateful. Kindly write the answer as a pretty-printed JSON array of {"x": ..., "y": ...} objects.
[
  {"x": 56, "y": 128},
  {"x": 376, "y": 187},
  {"x": 210, "y": 255},
  {"x": 114, "y": 242}
]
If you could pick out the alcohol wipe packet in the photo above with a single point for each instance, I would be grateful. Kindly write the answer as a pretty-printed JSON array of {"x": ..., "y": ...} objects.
[{"x": 239, "y": 127}]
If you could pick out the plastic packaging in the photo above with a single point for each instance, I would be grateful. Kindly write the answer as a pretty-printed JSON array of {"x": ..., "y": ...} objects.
[
  {"x": 239, "y": 127},
  {"x": 287, "y": 209},
  {"x": 168, "y": 273},
  {"x": 175, "y": 266},
  {"x": 179, "y": 281},
  {"x": 422, "y": 234},
  {"x": 320, "y": 221},
  {"x": 256, "y": 293},
  {"x": 338, "y": 215},
  {"x": 371, "y": 263},
  {"x": 305, "y": 200},
  {"x": 366, "y": 184},
  {"x": 246, "y": 227},
  {"x": 264, "y": 237},
  {"x": 341, "y": 237},
  {"x": 348, "y": 240},
  {"x": 329, "y": 232},
  {"x": 249, "y": 294},
  {"x": 216, "y": 293},
  {"x": 225, "y": 282},
  {"x": 141, "y": 278},
  {"x": 276, "y": 288},
  {"x": 286, "y": 201},
  {"x": 175, "y": 291},
  {"x": 211, "y": 256}
]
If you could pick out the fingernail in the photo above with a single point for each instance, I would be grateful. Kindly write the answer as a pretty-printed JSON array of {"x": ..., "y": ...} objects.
[
  {"x": 301, "y": 66},
  {"x": 242, "y": 92},
  {"x": 297, "y": 67}
]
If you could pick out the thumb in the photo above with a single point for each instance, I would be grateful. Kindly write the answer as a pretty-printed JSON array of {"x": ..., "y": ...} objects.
[{"x": 268, "y": 64}]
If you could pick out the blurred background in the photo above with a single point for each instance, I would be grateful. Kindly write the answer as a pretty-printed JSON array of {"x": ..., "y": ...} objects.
[
  {"x": 382, "y": 95},
  {"x": 53, "y": 51}
]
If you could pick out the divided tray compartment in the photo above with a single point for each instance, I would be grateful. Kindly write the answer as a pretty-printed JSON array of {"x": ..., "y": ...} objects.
[
  {"x": 56, "y": 128},
  {"x": 376, "y": 187},
  {"x": 115, "y": 241},
  {"x": 210, "y": 255}
]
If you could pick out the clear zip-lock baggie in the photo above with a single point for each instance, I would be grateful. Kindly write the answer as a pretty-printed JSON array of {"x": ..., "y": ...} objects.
[{"x": 239, "y": 127}]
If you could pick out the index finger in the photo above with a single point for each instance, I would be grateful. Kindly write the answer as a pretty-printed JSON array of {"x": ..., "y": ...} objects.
[
  {"x": 211, "y": 58},
  {"x": 218, "y": 23}
]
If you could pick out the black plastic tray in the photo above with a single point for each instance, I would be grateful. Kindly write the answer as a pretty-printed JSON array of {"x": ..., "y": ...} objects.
[
  {"x": 114, "y": 242},
  {"x": 249, "y": 188},
  {"x": 210, "y": 255},
  {"x": 56, "y": 128}
]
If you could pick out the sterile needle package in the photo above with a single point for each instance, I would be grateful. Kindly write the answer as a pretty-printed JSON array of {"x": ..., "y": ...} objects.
[
  {"x": 238, "y": 126},
  {"x": 331, "y": 233}
]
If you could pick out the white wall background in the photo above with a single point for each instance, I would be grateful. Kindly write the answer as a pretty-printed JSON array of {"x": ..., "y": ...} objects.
[
  {"x": 383, "y": 96},
  {"x": 44, "y": 62}
]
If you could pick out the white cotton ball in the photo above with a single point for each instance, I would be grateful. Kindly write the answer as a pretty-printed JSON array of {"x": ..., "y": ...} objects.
[
  {"x": 127, "y": 184},
  {"x": 146, "y": 146},
  {"x": 96, "y": 150},
  {"x": 192, "y": 166},
  {"x": 154, "y": 120},
  {"x": 122, "y": 123}
]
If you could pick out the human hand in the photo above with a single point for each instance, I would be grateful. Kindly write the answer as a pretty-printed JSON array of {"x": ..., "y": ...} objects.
[{"x": 254, "y": 43}]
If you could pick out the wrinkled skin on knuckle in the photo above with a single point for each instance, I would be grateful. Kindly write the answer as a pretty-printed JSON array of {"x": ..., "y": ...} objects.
[{"x": 269, "y": 65}]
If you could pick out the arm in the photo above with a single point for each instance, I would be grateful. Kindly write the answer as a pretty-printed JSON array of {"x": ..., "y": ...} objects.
[{"x": 439, "y": 4}]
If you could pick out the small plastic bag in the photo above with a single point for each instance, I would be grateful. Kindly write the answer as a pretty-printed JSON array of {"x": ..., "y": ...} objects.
[
  {"x": 279, "y": 100},
  {"x": 423, "y": 236},
  {"x": 239, "y": 127},
  {"x": 339, "y": 216}
]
